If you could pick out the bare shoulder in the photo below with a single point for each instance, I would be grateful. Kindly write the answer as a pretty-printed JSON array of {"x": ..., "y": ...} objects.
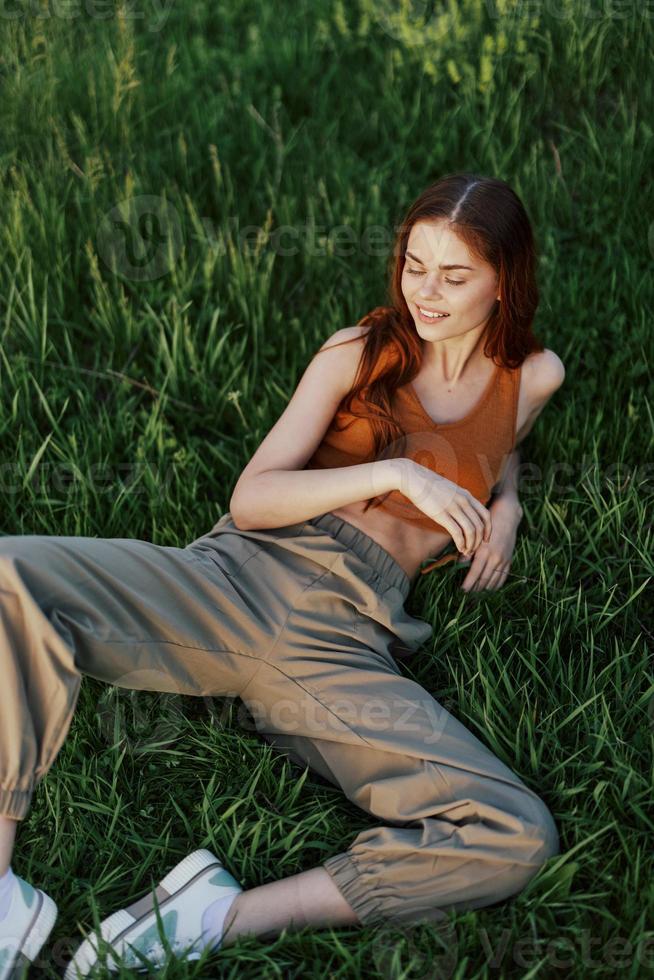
[
  {"x": 336, "y": 362},
  {"x": 346, "y": 334},
  {"x": 543, "y": 373},
  {"x": 341, "y": 354},
  {"x": 541, "y": 376}
]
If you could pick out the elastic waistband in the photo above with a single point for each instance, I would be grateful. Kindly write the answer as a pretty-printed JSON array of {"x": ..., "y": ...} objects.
[{"x": 370, "y": 552}]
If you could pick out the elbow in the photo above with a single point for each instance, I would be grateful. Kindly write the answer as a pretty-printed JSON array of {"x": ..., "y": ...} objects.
[
  {"x": 248, "y": 504},
  {"x": 238, "y": 516}
]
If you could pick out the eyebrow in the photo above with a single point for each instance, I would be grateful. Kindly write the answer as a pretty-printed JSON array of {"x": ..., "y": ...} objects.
[{"x": 416, "y": 259}]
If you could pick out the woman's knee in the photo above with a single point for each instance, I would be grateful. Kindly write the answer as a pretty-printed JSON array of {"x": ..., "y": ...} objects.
[
  {"x": 21, "y": 566},
  {"x": 17, "y": 546},
  {"x": 9, "y": 551},
  {"x": 546, "y": 831},
  {"x": 543, "y": 843},
  {"x": 7, "y": 543}
]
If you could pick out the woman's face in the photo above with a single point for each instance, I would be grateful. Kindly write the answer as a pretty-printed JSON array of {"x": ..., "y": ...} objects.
[{"x": 467, "y": 295}]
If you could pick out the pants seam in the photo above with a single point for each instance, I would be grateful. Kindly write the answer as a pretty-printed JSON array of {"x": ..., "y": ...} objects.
[
  {"x": 233, "y": 653},
  {"x": 265, "y": 656},
  {"x": 310, "y": 691},
  {"x": 177, "y": 643}
]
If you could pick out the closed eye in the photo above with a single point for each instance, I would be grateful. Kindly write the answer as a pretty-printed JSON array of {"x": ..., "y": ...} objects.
[{"x": 452, "y": 282}]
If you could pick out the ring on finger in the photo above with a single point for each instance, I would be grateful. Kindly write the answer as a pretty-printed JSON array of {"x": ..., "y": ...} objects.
[{"x": 495, "y": 576}]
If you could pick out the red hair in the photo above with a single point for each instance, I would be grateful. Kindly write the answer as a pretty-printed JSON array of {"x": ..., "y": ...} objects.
[{"x": 486, "y": 214}]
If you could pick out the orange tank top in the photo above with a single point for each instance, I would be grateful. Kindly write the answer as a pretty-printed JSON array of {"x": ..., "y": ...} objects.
[{"x": 471, "y": 452}]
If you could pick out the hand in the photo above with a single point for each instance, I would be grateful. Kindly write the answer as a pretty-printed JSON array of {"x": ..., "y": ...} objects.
[
  {"x": 450, "y": 505},
  {"x": 492, "y": 560}
]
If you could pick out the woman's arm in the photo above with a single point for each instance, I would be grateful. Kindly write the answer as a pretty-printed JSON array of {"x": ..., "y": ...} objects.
[
  {"x": 506, "y": 489},
  {"x": 542, "y": 376},
  {"x": 274, "y": 490},
  {"x": 275, "y": 498}
]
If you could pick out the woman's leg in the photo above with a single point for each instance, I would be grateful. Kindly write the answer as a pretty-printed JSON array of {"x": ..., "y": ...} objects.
[
  {"x": 140, "y": 616},
  {"x": 125, "y": 611},
  {"x": 459, "y": 831},
  {"x": 309, "y": 898},
  {"x": 7, "y": 837}
]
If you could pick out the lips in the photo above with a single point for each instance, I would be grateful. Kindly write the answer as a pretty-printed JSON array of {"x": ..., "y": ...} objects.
[{"x": 430, "y": 316}]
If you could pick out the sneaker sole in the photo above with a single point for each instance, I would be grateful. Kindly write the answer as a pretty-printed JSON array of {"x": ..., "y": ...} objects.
[{"x": 117, "y": 926}]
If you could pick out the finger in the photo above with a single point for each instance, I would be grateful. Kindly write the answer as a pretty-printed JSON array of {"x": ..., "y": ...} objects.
[
  {"x": 471, "y": 579},
  {"x": 485, "y": 516},
  {"x": 455, "y": 530},
  {"x": 485, "y": 577},
  {"x": 478, "y": 522},
  {"x": 467, "y": 527},
  {"x": 478, "y": 526},
  {"x": 495, "y": 578}
]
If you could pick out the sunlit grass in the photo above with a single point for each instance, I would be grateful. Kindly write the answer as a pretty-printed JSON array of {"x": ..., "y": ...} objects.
[{"x": 137, "y": 384}]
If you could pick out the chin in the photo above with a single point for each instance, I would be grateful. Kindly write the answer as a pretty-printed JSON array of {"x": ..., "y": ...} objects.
[{"x": 437, "y": 327}]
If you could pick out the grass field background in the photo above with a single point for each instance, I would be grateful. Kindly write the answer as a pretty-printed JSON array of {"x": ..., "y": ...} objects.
[{"x": 149, "y": 339}]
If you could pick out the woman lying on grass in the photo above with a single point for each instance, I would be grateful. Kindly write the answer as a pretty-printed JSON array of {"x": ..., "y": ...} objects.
[{"x": 398, "y": 444}]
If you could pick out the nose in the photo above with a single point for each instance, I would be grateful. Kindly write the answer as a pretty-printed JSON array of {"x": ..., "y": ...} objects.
[
  {"x": 429, "y": 296},
  {"x": 429, "y": 286}
]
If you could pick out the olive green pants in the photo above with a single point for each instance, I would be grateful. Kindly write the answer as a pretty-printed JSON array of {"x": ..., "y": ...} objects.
[{"x": 304, "y": 624}]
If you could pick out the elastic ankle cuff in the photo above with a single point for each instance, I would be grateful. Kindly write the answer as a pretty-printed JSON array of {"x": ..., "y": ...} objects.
[
  {"x": 15, "y": 803},
  {"x": 357, "y": 891}
]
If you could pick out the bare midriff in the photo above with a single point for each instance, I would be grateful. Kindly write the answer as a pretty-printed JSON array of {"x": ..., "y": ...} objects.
[{"x": 409, "y": 545}]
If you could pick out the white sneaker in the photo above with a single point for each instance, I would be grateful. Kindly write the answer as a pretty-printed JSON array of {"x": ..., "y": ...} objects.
[
  {"x": 181, "y": 897},
  {"x": 25, "y": 928}
]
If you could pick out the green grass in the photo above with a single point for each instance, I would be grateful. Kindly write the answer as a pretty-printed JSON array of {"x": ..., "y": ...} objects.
[{"x": 164, "y": 371}]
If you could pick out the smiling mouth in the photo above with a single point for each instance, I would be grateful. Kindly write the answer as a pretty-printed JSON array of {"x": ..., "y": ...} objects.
[{"x": 431, "y": 314}]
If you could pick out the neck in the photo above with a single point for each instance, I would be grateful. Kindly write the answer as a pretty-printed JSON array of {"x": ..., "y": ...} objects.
[{"x": 452, "y": 359}]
